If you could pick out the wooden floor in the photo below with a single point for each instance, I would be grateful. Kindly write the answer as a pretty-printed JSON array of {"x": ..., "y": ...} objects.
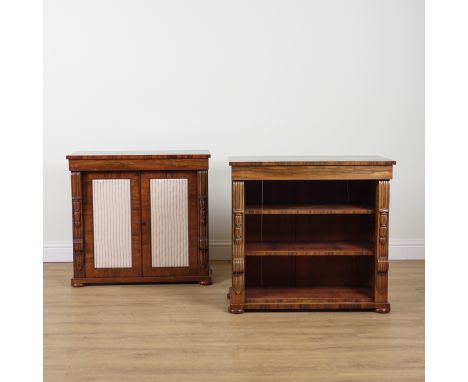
[{"x": 184, "y": 333}]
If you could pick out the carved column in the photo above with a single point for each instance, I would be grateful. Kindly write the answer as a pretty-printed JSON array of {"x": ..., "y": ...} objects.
[
  {"x": 203, "y": 220},
  {"x": 238, "y": 280},
  {"x": 381, "y": 242},
  {"x": 77, "y": 221}
]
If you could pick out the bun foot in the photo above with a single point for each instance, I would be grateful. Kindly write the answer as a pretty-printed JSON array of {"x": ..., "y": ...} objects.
[
  {"x": 235, "y": 310},
  {"x": 76, "y": 284},
  {"x": 206, "y": 282},
  {"x": 383, "y": 310}
]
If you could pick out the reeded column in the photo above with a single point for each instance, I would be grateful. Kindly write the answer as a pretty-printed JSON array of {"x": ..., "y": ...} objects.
[
  {"x": 238, "y": 255},
  {"x": 381, "y": 245}
]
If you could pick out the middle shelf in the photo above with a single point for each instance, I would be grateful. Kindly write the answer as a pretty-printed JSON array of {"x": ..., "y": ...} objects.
[
  {"x": 308, "y": 209},
  {"x": 335, "y": 248}
]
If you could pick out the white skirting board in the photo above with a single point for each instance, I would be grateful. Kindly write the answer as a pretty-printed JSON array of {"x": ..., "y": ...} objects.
[{"x": 58, "y": 252}]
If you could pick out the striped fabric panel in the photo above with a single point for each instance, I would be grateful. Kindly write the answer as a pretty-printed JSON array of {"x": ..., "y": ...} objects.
[
  {"x": 112, "y": 223},
  {"x": 169, "y": 222}
]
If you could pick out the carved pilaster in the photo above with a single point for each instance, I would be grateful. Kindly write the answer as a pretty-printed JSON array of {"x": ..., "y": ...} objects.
[
  {"x": 203, "y": 255},
  {"x": 381, "y": 241},
  {"x": 238, "y": 281},
  {"x": 77, "y": 221}
]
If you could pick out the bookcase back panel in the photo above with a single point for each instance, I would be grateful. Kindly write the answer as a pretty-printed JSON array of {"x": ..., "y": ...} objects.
[
  {"x": 271, "y": 192},
  {"x": 297, "y": 271},
  {"x": 169, "y": 223},
  {"x": 309, "y": 228},
  {"x": 112, "y": 223}
]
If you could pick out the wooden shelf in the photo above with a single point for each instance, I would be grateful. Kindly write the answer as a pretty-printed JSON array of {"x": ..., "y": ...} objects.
[
  {"x": 322, "y": 294},
  {"x": 309, "y": 249},
  {"x": 308, "y": 209}
]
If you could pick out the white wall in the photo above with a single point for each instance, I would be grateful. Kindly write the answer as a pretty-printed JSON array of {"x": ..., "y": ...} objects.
[{"x": 249, "y": 77}]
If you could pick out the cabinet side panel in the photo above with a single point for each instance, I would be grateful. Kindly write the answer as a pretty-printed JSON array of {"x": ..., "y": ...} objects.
[
  {"x": 169, "y": 223},
  {"x": 203, "y": 257},
  {"x": 77, "y": 220},
  {"x": 112, "y": 223}
]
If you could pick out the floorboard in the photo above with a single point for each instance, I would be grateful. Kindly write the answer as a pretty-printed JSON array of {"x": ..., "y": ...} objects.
[{"x": 175, "y": 332}]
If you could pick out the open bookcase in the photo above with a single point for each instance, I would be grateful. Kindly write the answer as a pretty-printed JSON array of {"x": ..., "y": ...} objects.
[{"x": 309, "y": 243}]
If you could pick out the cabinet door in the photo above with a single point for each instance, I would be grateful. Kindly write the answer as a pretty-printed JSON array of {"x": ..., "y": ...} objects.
[
  {"x": 112, "y": 224},
  {"x": 169, "y": 223}
]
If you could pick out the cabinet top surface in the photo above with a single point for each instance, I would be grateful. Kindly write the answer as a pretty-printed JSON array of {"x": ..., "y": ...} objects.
[
  {"x": 157, "y": 154},
  {"x": 244, "y": 161}
]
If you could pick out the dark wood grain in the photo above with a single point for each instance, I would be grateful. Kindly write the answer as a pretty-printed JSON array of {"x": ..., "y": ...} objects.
[
  {"x": 203, "y": 238},
  {"x": 314, "y": 233},
  {"x": 309, "y": 294},
  {"x": 238, "y": 257},
  {"x": 309, "y": 249},
  {"x": 153, "y": 154},
  {"x": 314, "y": 192},
  {"x": 257, "y": 161},
  {"x": 309, "y": 228},
  {"x": 381, "y": 241},
  {"x": 141, "y": 280},
  {"x": 77, "y": 222},
  {"x": 137, "y": 164},
  {"x": 139, "y": 167},
  {"x": 333, "y": 271},
  {"x": 308, "y": 209},
  {"x": 305, "y": 271},
  {"x": 312, "y": 305},
  {"x": 325, "y": 172}
]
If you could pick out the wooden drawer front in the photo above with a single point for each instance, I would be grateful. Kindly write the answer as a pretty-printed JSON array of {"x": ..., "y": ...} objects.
[
  {"x": 112, "y": 223},
  {"x": 169, "y": 223}
]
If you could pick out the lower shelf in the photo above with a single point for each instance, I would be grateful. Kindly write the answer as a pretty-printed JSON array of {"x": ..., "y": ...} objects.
[
  {"x": 261, "y": 295},
  {"x": 311, "y": 298}
]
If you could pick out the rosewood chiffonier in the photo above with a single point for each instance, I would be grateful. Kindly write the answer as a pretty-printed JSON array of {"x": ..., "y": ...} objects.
[
  {"x": 140, "y": 217},
  {"x": 310, "y": 233}
]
